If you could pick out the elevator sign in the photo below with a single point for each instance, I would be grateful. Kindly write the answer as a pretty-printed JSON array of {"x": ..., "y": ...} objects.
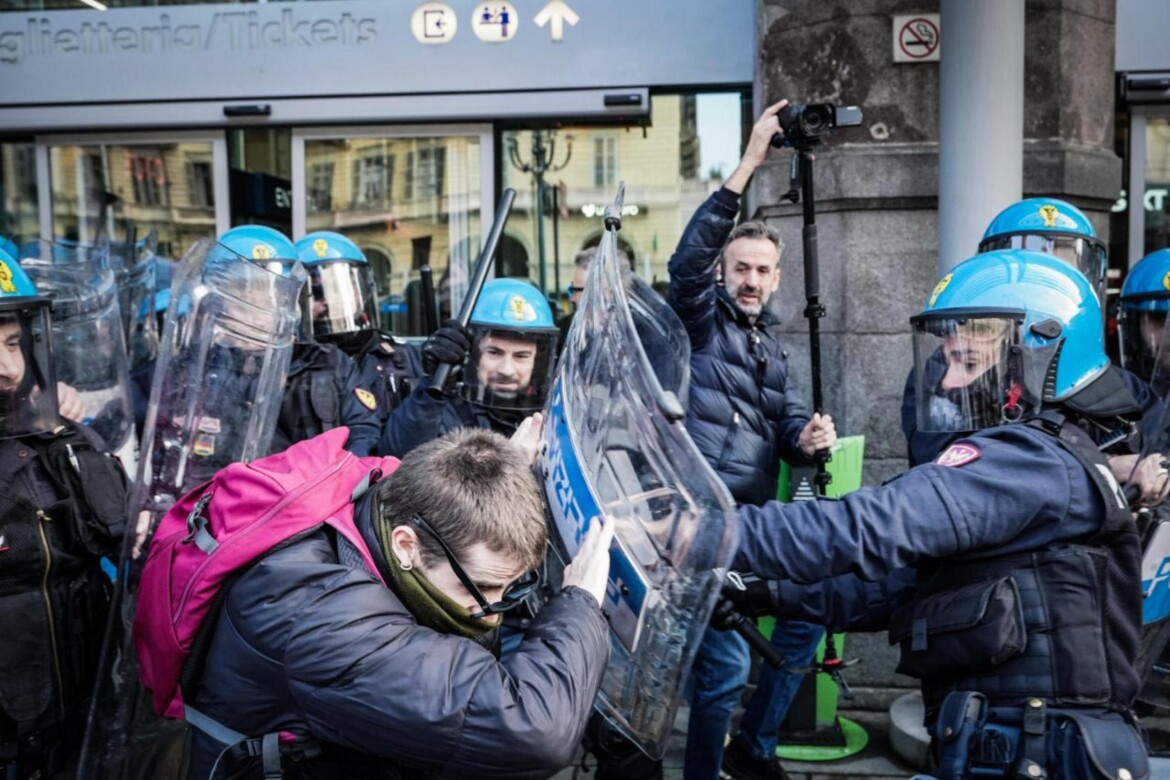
[{"x": 916, "y": 38}]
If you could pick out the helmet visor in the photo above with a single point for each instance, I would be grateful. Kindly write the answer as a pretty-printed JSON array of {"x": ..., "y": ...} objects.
[
  {"x": 511, "y": 369},
  {"x": 1142, "y": 333},
  {"x": 28, "y": 387},
  {"x": 1086, "y": 255},
  {"x": 969, "y": 373},
  {"x": 343, "y": 297}
]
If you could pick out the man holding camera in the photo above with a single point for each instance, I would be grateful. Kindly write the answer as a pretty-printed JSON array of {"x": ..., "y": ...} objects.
[{"x": 744, "y": 417}]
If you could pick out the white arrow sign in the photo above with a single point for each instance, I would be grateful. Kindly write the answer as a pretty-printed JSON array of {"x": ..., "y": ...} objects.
[{"x": 557, "y": 12}]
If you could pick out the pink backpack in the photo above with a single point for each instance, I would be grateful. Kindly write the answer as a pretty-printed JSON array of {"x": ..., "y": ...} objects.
[{"x": 225, "y": 525}]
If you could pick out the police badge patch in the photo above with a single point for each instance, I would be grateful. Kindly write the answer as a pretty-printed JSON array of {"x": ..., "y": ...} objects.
[
  {"x": 366, "y": 398},
  {"x": 958, "y": 455}
]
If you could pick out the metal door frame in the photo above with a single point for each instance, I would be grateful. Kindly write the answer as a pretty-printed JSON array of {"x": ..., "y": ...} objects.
[
  {"x": 1136, "y": 191},
  {"x": 219, "y": 164}
]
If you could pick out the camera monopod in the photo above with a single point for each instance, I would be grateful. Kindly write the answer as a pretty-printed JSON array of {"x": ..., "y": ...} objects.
[
  {"x": 478, "y": 277},
  {"x": 800, "y": 181},
  {"x": 800, "y": 176}
]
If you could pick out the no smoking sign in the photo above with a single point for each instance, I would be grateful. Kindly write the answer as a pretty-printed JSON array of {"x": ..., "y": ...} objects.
[{"x": 916, "y": 38}]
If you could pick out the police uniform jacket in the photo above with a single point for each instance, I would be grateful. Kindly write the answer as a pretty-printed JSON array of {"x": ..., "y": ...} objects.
[
  {"x": 310, "y": 645},
  {"x": 388, "y": 367},
  {"x": 324, "y": 391},
  {"x": 423, "y": 417},
  {"x": 1006, "y": 503},
  {"x": 743, "y": 415}
]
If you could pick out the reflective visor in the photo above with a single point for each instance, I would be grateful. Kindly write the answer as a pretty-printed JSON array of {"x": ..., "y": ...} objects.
[
  {"x": 1143, "y": 346},
  {"x": 964, "y": 373},
  {"x": 1084, "y": 254},
  {"x": 343, "y": 297},
  {"x": 511, "y": 369}
]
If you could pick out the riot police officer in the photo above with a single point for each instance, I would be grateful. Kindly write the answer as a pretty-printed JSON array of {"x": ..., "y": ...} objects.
[
  {"x": 1145, "y": 302},
  {"x": 62, "y": 507},
  {"x": 323, "y": 390},
  {"x": 1023, "y": 605},
  {"x": 511, "y": 341},
  {"x": 344, "y": 313}
]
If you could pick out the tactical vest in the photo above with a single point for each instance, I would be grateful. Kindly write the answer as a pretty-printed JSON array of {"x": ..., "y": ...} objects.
[
  {"x": 312, "y": 396},
  {"x": 54, "y": 598},
  {"x": 1061, "y": 623}
]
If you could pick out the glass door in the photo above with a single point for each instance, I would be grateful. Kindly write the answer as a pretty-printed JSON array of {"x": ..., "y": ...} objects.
[
  {"x": 168, "y": 187},
  {"x": 409, "y": 197}
]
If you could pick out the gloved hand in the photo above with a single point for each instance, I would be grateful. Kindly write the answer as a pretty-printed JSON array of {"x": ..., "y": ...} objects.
[
  {"x": 755, "y": 598},
  {"x": 449, "y": 344}
]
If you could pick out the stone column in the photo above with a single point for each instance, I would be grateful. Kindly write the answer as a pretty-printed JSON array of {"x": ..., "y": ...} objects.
[{"x": 981, "y": 107}]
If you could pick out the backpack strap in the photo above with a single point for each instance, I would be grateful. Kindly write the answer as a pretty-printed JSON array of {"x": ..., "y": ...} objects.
[{"x": 266, "y": 747}]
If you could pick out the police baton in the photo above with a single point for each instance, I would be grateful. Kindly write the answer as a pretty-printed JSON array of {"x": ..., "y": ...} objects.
[
  {"x": 482, "y": 266},
  {"x": 430, "y": 310}
]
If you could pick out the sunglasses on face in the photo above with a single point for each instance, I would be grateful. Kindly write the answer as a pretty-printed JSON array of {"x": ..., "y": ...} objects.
[
  {"x": 573, "y": 290},
  {"x": 512, "y": 595}
]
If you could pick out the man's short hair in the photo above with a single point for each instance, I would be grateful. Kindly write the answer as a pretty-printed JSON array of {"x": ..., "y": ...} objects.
[
  {"x": 583, "y": 258},
  {"x": 473, "y": 486},
  {"x": 754, "y": 229}
]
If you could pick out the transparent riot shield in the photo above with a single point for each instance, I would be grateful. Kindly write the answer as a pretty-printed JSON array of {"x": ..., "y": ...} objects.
[
  {"x": 615, "y": 448},
  {"x": 88, "y": 344},
  {"x": 134, "y": 265},
  {"x": 224, "y": 356},
  {"x": 1148, "y": 482}
]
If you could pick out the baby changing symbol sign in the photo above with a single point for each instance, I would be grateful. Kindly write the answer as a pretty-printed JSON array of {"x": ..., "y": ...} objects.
[{"x": 495, "y": 22}]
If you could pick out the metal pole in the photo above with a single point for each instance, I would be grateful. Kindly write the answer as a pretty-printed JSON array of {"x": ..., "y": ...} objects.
[
  {"x": 556, "y": 242},
  {"x": 540, "y": 233},
  {"x": 981, "y": 120},
  {"x": 814, "y": 309}
]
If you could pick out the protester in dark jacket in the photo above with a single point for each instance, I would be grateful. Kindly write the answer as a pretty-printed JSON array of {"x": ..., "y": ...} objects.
[
  {"x": 400, "y": 680},
  {"x": 744, "y": 417}
]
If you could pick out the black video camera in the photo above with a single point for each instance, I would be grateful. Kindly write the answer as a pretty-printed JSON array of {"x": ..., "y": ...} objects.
[{"x": 806, "y": 126}]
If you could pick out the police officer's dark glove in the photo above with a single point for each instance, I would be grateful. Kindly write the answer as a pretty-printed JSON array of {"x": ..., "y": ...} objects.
[
  {"x": 737, "y": 604},
  {"x": 449, "y": 344},
  {"x": 749, "y": 595}
]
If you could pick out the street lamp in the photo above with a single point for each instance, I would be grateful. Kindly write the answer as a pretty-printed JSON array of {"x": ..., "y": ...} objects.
[{"x": 543, "y": 155}]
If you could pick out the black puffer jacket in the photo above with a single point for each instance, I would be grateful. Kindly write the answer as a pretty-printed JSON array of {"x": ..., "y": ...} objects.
[
  {"x": 743, "y": 416},
  {"x": 308, "y": 645}
]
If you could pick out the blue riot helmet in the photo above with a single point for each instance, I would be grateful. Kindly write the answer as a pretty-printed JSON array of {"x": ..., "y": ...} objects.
[
  {"x": 28, "y": 386},
  {"x": 264, "y": 245},
  {"x": 513, "y": 357},
  {"x": 342, "y": 285},
  {"x": 9, "y": 247},
  {"x": 1016, "y": 330},
  {"x": 273, "y": 250},
  {"x": 1055, "y": 228},
  {"x": 1145, "y": 301}
]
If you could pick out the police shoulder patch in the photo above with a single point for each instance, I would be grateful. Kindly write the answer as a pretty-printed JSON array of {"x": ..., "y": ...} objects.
[
  {"x": 366, "y": 398},
  {"x": 958, "y": 455}
]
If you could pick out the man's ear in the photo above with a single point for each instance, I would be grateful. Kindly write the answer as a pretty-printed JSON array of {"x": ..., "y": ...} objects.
[{"x": 404, "y": 546}]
